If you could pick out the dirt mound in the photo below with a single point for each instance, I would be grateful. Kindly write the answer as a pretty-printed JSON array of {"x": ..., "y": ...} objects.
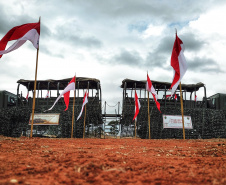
[{"x": 112, "y": 161}]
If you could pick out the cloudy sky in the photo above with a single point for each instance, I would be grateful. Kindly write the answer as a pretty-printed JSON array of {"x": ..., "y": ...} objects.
[{"x": 113, "y": 39}]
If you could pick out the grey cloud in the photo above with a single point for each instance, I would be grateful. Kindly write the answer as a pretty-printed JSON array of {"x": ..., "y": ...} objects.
[
  {"x": 76, "y": 39},
  {"x": 191, "y": 42},
  {"x": 128, "y": 58},
  {"x": 160, "y": 9},
  {"x": 89, "y": 42},
  {"x": 158, "y": 57},
  {"x": 161, "y": 12},
  {"x": 204, "y": 65},
  {"x": 45, "y": 50},
  {"x": 154, "y": 60},
  {"x": 165, "y": 46},
  {"x": 45, "y": 31}
]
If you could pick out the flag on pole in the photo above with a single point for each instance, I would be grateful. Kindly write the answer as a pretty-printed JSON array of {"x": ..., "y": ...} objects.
[
  {"x": 85, "y": 101},
  {"x": 137, "y": 106},
  {"x": 151, "y": 89},
  {"x": 178, "y": 63},
  {"x": 195, "y": 98},
  {"x": 66, "y": 93},
  {"x": 47, "y": 94},
  {"x": 27, "y": 95},
  {"x": 22, "y": 33}
]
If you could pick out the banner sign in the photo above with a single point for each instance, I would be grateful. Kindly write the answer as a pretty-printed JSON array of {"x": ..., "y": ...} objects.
[
  {"x": 45, "y": 119},
  {"x": 175, "y": 121}
]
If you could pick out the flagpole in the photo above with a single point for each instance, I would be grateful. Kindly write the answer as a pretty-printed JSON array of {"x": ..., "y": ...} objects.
[
  {"x": 33, "y": 106},
  {"x": 182, "y": 110},
  {"x": 84, "y": 123},
  {"x": 149, "y": 125},
  {"x": 135, "y": 128},
  {"x": 72, "y": 124}
]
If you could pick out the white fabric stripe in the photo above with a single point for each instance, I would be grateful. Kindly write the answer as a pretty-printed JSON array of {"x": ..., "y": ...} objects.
[
  {"x": 182, "y": 63},
  {"x": 154, "y": 92},
  {"x": 47, "y": 94},
  {"x": 147, "y": 87},
  {"x": 86, "y": 101},
  {"x": 32, "y": 35},
  {"x": 138, "y": 104}
]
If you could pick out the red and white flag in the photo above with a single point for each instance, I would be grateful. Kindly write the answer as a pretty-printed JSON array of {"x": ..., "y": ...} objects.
[
  {"x": 178, "y": 63},
  {"x": 21, "y": 34},
  {"x": 151, "y": 89},
  {"x": 195, "y": 98},
  {"x": 27, "y": 95},
  {"x": 137, "y": 106},
  {"x": 66, "y": 93},
  {"x": 47, "y": 94},
  {"x": 85, "y": 101}
]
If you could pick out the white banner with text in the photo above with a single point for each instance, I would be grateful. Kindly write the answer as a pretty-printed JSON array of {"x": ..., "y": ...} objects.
[
  {"x": 175, "y": 121},
  {"x": 45, "y": 119}
]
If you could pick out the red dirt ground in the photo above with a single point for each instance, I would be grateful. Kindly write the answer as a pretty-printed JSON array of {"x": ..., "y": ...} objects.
[{"x": 112, "y": 161}]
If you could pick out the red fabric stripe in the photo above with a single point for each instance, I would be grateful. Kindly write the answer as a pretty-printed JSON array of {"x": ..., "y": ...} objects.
[
  {"x": 84, "y": 97},
  {"x": 149, "y": 82},
  {"x": 157, "y": 103},
  {"x": 175, "y": 61},
  {"x": 136, "y": 105},
  {"x": 66, "y": 99}
]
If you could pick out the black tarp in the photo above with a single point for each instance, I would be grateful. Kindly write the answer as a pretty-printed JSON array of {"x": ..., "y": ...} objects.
[
  {"x": 159, "y": 86},
  {"x": 81, "y": 83}
]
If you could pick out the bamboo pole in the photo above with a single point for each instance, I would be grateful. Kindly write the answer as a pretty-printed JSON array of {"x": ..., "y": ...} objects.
[
  {"x": 34, "y": 93},
  {"x": 84, "y": 124},
  {"x": 149, "y": 124},
  {"x": 72, "y": 124},
  {"x": 182, "y": 110},
  {"x": 135, "y": 128}
]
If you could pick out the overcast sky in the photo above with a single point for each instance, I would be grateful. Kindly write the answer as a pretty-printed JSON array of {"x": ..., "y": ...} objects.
[{"x": 113, "y": 39}]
